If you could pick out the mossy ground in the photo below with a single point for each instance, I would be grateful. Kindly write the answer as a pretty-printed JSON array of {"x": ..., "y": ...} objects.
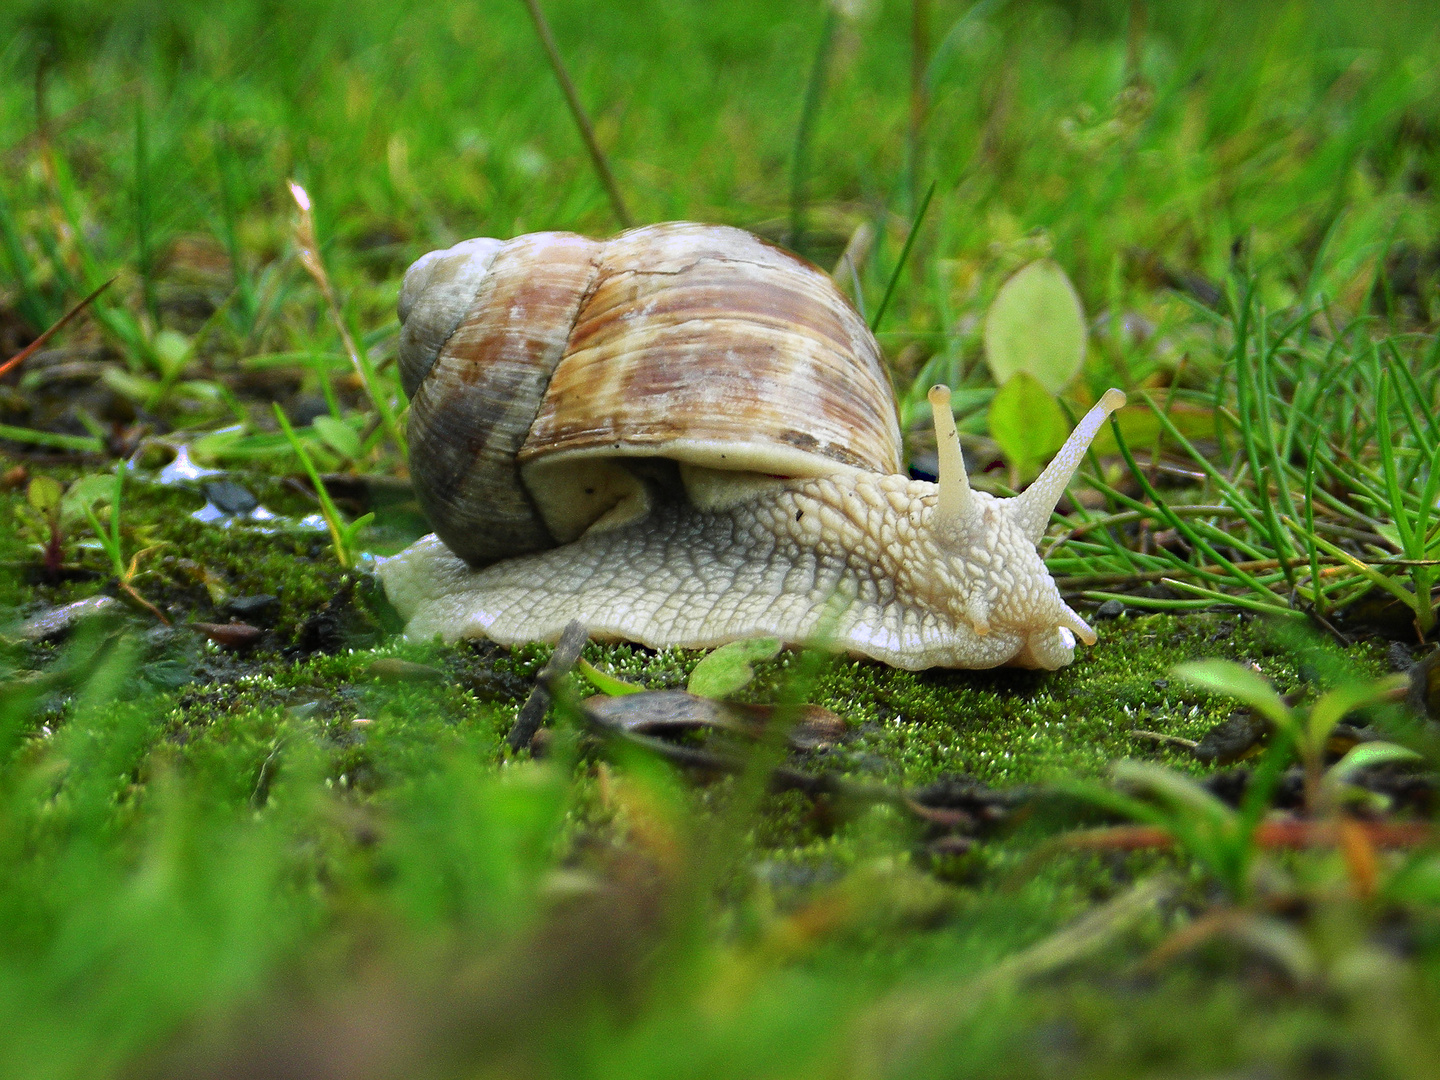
[{"x": 321, "y": 702}]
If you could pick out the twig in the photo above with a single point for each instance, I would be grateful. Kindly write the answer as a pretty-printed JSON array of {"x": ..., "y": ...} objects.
[
  {"x": 1270, "y": 835},
  {"x": 532, "y": 713},
  {"x": 1084, "y": 581},
  {"x": 29, "y": 350},
  {"x": 577, "y": 110},
  {"x": 781, "y": 778}
]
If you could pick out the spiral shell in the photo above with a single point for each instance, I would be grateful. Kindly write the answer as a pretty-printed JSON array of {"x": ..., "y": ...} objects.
[{"x": 538, "y": 367}]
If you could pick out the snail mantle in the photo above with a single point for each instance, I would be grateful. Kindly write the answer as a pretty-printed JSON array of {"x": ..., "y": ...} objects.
[{"x": 686, "y": 436}]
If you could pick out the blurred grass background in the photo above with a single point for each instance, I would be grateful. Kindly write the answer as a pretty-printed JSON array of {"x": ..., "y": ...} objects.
[
  {"x": 1138, "y": 142},
  {"x": 212, "y": 882}
]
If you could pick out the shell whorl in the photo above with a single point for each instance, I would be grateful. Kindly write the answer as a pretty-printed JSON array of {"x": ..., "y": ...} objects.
[
  {"x": 535, "y": 364},
  {"x": 472, "y": 403}
]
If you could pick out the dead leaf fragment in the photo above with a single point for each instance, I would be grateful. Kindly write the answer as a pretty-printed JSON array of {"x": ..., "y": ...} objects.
[
  {"x": 673, "y": 712},
  {"x": 235, "y": 635},
  {"x": 396, "y": 670}
]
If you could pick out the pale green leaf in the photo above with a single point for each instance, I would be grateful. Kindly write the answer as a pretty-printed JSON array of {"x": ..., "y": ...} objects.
[
  {"x": 172, "y": 349},
  {"x": 1334, "y": 704},
  {"x": 1367, "y": 754},
  {"x": 44, "y": 494},
  {"x": 1173, "y": 787},
  {"x": 1036, "y": 325},
  {"x": 339, "y": 436},
  {"x": 1027, "y": 423},
  {"x": 1237, "y": 681},
  {"x": 605, "y": 682},
  {"x": 83, "y": 494},
  {"x": 728, "y": 668}
]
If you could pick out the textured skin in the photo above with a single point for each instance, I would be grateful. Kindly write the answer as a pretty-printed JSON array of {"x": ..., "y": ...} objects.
[{"x": 847, "y": 562}]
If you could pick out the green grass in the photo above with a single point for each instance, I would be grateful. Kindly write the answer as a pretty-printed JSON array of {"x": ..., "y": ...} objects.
[{"x": 209, "y": 867}]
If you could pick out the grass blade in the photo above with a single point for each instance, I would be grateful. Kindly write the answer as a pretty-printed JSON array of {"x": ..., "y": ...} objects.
[
  {"x": 577, "y": 110},
  {"x": 904, "y": 255},
  {"x": 804, "y": 130}
]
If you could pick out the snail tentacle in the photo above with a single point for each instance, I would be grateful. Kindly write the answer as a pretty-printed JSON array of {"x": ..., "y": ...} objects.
[{"x": 1031, "y": 509}]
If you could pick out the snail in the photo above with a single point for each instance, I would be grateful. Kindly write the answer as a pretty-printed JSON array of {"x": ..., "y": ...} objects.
[{"x": 686, "y": 436}]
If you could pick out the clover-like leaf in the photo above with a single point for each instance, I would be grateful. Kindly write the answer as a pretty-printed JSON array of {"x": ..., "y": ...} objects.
[
  {"x": 337, "y": 435},
  {"x": 1036, "y": 325},
  {"x": 1237, "y": 681},
  {"x": 1027, "y": 423},
  {"x": 728, "y": 668},
  {"x": 44, "y": 494}
]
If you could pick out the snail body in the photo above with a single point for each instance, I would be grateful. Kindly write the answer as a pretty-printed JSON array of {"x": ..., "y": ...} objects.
[{"x": 684, "y": 436}]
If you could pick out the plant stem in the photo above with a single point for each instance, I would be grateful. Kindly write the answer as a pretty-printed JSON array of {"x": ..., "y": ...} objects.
[
  {"x": 577, "y": 110},
  {"x": 800, "y": 158},
  {"x": 904, "y": 255}
]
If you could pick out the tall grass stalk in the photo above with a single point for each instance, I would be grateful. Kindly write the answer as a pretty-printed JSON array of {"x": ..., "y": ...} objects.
[
  {"x": 581, "y": 117},
  {"x": 310, "y": 258},
  {"x": 805, "y": 128}
]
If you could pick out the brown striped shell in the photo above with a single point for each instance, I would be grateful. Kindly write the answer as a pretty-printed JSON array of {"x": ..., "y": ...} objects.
[{"x": 542, "y": 371}]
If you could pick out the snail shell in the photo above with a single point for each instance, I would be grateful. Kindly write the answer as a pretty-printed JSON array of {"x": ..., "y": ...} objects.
[
  {"x": 685, "y": 436},
  {"x": 539, "y": 366}
]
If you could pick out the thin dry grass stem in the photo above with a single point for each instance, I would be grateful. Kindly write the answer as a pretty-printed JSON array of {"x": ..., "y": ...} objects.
[
  {"x": 309, "y": 250},
  {"x": 35, "y": 346},
  {"x": 1269, "y": 835},
  {"x": 1085, "y": 581},
  {"x": 577, "y": 110}
]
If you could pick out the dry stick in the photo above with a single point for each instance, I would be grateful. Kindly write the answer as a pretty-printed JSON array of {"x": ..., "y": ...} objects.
[
  {"x": 1269, "y": 835},
  {"x": 577, "y": 110},
  {"x": 1083, "y": 581},
  {"x": 1163, "y": 739},
  {"x": 782, "y": 778},
  {"x": 532, "y": 713},
  {"x": 29, "y": 350}
]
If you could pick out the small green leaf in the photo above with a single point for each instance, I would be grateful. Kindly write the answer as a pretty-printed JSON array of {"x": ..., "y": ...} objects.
[
  {"x": 44, "y": 494},
  {"x": 1237, "y": 681},
  {"x": 340, "y": 437},
  {"x": 1173, "y": 787},
  {"x": 728, "y": 668},
  {"x": 136, "y": 388},
  {"x": 1332, "y": 706},
  {"x": 83, "y": 495},
  {"x": 1028, "y": 423},
  {"x": 172, "y": 349},
  {"x": 605, "y": 683},
  {"x": 1367, "y": 754},
  {"x": 1036, "y": 325}
]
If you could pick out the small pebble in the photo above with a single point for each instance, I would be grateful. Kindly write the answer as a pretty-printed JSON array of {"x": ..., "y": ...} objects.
[
  {"x": 1110, "y": 609},
  {"x": 250, "y": 606},
  {"x": 230, "y": 497},
  {"x": 61, "y": 620}
]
